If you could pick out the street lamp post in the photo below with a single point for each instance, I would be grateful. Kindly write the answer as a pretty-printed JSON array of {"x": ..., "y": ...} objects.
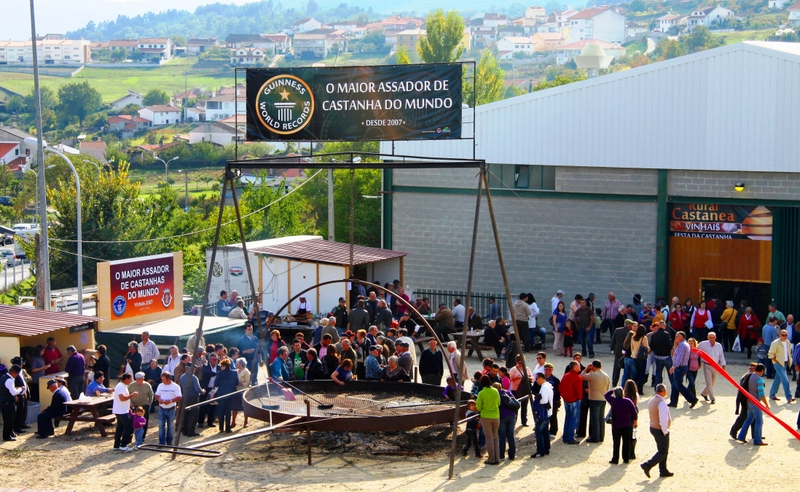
[
  {"x": 166, "y": 166},
  {"x": 78, "y": 221},
  {"x": 36, "y": 182},
  {"x": 99, "y": 171}
]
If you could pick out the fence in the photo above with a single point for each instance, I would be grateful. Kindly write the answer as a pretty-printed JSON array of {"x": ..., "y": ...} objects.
[{"x": 479, "y": 300}]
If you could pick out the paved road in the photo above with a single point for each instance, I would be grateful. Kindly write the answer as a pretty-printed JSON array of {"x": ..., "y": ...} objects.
[{"x": 14, "y": 274}]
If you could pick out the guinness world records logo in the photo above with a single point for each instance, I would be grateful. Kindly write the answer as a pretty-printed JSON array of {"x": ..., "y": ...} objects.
[{"x": 285, "y": 104}]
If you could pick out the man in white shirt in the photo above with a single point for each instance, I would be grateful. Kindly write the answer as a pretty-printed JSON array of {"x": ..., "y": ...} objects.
[
  {"x": 10, "y": 394},
  {"x": 660, "y": 422},
  {"x": 456, "y": 362},
  {"x": 542, "y": 429},
  {"x": 717, "y": 354},
  {"x": 173, "y": 359},
  {"x": 541, "y": 358},
  {"x": 459, "y": 313},
  {"x": 148, "y": 349},
  {"x": 168, "y": 394},
  {"x": 121, "y": 409}
]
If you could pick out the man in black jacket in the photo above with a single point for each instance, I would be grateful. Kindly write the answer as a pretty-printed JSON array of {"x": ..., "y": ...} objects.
[
  {"x": 359, "y": 318},
  {"x": 9, "y": 395},
  {"x": 55, "y": 410},
  {"x": 661, "y": 347},
  {"x": 741, "y": 402},
  {"x": 431, "y": 364}
]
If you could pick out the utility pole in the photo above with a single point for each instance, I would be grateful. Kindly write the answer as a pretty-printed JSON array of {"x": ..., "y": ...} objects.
[
  {"x": 331, "y": 225},
  {"x": 43, "y": 273}
]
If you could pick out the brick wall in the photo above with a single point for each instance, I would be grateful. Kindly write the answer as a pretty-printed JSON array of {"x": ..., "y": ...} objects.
[
  {"x": 548, "y": 244},
  {"x": 767, "y": 186},
  {"x": 605, "y": 180},
  {"x": 439, "y": 178}
]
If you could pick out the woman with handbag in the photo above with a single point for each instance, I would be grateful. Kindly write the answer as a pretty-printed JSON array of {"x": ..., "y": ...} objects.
[
  {"x": 624, "y": 417},
  {"x": 694, "y": 366},
  {"x": 508, "y": 420},
  {"x": 640, "y": 349},
  {"x": 631, "y": 392},
  {"x": 700, "y": 322}
]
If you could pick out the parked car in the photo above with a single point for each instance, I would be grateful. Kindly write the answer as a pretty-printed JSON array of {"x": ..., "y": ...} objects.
[{"x": 8, "y": 256}]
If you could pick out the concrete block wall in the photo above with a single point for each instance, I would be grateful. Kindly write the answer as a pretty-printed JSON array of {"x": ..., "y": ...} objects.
[
  {"x": 548, "y": 244},
  {"x": 438, "y": 178},
  {"x": 605, "y": 180},
  {"x": 765, "y": 186}
]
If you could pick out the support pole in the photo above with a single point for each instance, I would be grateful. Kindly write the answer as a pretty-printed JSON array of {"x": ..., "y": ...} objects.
[
  {"x": 308, "y": 429},
  {"x": 199, "y": 332},
  {"x": 525, "y": 379},
  {"x": 466, "y": 325},
  {"x": 253, "y": 293}
]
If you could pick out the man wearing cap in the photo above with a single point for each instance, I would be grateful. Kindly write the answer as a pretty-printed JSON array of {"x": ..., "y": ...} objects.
[
  {"x": 9, "y": 395},
  {"x": 555, "y": 300},
  {"x": 373, "y": 368},
  {"x": 144, "y": 396},
  {"x": 340, "y": 313},
  {"x": 431, "y": 364},
  {"x": 404, "y": 357},
  {"x": 75, "y": 367},
  {"x": 56, "y": 409}
]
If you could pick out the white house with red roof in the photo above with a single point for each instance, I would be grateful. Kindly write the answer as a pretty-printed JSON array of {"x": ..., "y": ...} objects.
[
  {"x": 514, "y": 44},
  {"x": 161, "y": 48},
  {"x": 126, "y": 125},
  {"x": 8, "y": 152},
  {"x": 132, "y": 97},
  {"x": 708, "y": 16},
  {"x": 794, "y": 15},
  {"x": 94, "y": 148},
  {"x": 597, "y": 23},
  {"x": 161, "y": 115}
]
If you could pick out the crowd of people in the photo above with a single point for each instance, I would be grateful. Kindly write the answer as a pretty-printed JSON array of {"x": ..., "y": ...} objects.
[{"x": 376, "y": 338}]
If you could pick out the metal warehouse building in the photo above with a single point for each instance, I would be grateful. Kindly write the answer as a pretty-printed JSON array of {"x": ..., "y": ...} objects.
[{"x": 625, "y": 183}]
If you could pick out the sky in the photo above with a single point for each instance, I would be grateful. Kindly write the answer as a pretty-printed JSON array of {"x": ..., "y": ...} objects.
[{"x": 60, "y": 16}]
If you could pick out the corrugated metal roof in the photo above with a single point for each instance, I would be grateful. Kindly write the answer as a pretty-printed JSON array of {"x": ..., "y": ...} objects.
[
  {"x": 27, "y": 322},
  {"x": 321, "y": 251},
  {"x": 732, "y": 108}
]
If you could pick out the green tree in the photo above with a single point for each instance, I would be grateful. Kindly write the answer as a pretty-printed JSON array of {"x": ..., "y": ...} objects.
[
  {"x": 667, "y": 49},
  {"x": 111, "y": 211},
  {"x": 366, "y": 183},
  {"x": 700, "y": 39},
  {"x": 179, "y": 40},
  {"x": 442, "y": 43},
  {"x": 559, "y": 80},
  {"x": 155, "y": 97},
  {"x": 401, "y": 57},
  {"x": 78, "y": 100},
  {"x": 49, "y": 100},
  {"x": 489, "y": 81}
]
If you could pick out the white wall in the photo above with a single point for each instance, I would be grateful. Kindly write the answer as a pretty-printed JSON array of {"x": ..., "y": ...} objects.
[{"x": 609, "y": 26}]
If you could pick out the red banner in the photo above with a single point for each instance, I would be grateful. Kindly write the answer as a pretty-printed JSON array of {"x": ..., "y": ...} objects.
[
  {"x": 708, "y": 360},
  {"x": 141, "y": 286}
]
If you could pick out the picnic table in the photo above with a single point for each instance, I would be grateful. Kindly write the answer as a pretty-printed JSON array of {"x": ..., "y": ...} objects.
[
  {"x": 473, "y": 343},
  {"x": 96, "y": 406}
]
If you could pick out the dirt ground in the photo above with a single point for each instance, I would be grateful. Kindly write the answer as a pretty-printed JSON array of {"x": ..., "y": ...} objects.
[{"x": 702, "y": 456}]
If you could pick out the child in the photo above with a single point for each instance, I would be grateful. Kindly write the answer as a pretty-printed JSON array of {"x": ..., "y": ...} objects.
[
  {"x": 568, "y": 334},
  {"x": 476, "y": 383},
  {"x": 138, "y": 425},
  {"x": 472, "y": 430},
  {"x": 504, "y": 379},
  {"x": 450, "y": 390},
  {"x": 487, "y": 367},
  {"x": 761, "y": 351}
]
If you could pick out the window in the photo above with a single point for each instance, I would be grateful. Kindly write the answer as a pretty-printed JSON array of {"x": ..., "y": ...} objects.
[{"x": 512, "y": 176}]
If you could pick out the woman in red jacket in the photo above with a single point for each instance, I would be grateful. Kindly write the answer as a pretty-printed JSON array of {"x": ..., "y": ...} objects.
[
  {"x": 700, "y": 317},
  {"x": 749, "y": 330},
  {"x": 676, "y": 317}
]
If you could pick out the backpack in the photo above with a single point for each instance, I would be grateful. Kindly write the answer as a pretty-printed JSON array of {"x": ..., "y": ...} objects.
[
  {"x": 641, "y": 354},
  {"x": 509, "y": 401}
]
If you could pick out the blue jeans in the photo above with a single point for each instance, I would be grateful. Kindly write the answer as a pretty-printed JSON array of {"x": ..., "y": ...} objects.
[
  {"x": 586, "y": 339},
  {"x": 770, "y": 369},
  {"x": 481, "y": 438},
  {"x": 630, "y": 370},
  {"x": 571, "y": 410},
  {"x": 166, "y": 420},
  {"x": 678, "y": 387},
  {"x": 506, "y": 434},
  {"x": 754, "y": 415},
  {"x": 661, "y": 364},
  {"x": 780, "y": 379},
  {"x": 539, "y": 331},
  {"x": 691, "y": 377},
  {"x": 543, "y": 436},
  {"x": 139, "y": 434}
]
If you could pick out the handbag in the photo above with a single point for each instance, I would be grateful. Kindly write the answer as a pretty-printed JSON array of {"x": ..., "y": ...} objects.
[
  {"x": 509, "y": 401},
  {"x": 641, "y": 354},
  {"x": 610, "y": 416}
]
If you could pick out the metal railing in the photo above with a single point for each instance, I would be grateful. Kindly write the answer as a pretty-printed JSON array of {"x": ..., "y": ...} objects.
[{"x": 480, "y": 300}]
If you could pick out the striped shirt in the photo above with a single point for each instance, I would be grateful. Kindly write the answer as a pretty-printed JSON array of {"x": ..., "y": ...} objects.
[
  {"x": 611, "y": 309},
  {"x": 681, "y": 355}
]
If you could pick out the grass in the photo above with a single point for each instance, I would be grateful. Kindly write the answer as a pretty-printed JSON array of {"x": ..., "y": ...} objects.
[
  {"x": 151, "y": 178},
  {"x": 634, "y": 46},
  {"x": 113, "y": 83},
  {"x": 739, "y": 36}
]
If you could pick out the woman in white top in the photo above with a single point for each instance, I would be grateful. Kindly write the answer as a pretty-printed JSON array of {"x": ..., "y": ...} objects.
[
  {"x": 244, "y": 382},
  {"x": 532, "y": 322}
]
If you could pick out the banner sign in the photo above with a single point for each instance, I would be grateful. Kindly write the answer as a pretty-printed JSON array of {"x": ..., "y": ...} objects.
[
  {"x": 397, "y": 102},
  {"x": 142, "y": 286},
  {"x": 705, "y": 220}
]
